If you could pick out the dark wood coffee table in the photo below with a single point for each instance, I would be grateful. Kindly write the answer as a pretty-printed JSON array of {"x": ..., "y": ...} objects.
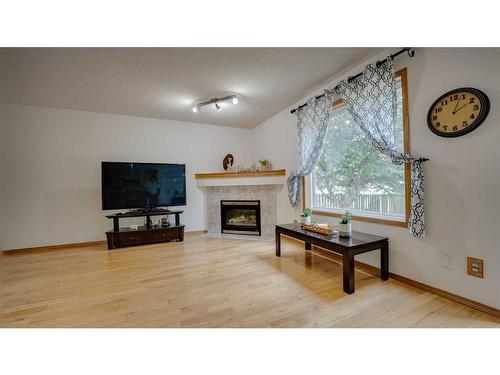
[{"x": 349, "y": 247}]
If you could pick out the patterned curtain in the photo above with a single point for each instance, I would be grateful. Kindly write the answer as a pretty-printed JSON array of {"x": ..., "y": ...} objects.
[
  {"x": 312, "y": 123},
  {"x": 371, "y": 99}
]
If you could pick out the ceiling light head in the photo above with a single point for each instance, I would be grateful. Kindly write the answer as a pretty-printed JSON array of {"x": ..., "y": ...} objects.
[{"x": 217, "y": 102}]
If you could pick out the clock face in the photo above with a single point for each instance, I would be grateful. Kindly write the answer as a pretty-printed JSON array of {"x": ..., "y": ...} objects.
[{"x": 458, "y": 112}]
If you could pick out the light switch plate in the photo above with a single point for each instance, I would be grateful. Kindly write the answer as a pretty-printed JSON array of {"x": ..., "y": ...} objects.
[
  {"x": 446, "y": 261},
  {"x": 475, "y": 267}
]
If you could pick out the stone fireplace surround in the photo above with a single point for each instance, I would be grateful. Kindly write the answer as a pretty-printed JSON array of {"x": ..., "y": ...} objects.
[
  {"x": 267, "y": 194},
  {"x": 264, "y": 186}
]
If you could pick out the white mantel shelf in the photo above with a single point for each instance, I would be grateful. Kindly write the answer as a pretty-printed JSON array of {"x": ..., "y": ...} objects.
[{"x": 275, "y": 177}]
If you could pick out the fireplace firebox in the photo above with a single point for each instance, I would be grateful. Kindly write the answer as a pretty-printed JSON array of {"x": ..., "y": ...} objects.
[{"x": 240, "y": 217}]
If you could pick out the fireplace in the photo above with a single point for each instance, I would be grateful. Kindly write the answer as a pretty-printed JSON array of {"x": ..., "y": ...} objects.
[{"x": 240, "y": 217}]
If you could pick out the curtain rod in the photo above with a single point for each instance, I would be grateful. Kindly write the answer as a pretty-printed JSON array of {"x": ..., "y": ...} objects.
[{"x": 410, "y": 52}]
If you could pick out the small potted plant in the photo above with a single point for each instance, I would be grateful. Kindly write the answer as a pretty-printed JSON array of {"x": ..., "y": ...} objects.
[
  {"x": 305, "y": 218},
  {"x": 345, "y": 229},
  {"x": 265, "y": 165}
]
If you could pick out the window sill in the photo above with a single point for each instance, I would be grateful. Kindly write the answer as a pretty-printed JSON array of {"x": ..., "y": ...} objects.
[{"x": 368, "y": 219}]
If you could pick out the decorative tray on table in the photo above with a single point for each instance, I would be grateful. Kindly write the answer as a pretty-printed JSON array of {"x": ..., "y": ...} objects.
[{"x": 321, "y": 228}]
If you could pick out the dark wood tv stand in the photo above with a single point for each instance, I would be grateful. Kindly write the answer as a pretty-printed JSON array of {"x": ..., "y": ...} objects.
[{"x": 144, "y": 234}]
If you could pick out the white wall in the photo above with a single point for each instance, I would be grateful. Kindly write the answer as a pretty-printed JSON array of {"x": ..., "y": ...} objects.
[
  {"x": 462, "y": 179},
  {"x": 2, "y": 177},
  {"x": 52, "y": 161}
]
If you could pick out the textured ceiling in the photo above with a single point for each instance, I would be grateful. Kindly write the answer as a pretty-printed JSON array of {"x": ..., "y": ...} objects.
[{"x": 165, "y": 82}]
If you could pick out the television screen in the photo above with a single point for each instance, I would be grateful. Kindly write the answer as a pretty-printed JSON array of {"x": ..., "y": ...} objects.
[{"x": 141, "y": 185}]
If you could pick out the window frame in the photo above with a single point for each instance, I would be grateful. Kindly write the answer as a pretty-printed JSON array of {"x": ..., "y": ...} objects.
[{"x": 307, "y": 181}]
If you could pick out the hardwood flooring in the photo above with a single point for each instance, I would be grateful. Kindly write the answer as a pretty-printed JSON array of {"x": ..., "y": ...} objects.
[{"x": 208, "y": 282}]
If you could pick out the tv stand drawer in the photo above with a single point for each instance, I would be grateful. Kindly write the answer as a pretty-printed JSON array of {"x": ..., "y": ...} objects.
[
  {"x": 161, "y": 235},
  {"x": 130, "y": 238}
]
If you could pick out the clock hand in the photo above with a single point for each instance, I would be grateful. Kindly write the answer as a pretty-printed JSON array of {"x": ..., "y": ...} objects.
[
  {"x": 460, "y": 108},
  {"x": 456, "y": 105}
]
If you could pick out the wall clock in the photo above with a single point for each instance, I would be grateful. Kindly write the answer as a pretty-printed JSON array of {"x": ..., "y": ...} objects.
[{"x": 458, "y": 112}]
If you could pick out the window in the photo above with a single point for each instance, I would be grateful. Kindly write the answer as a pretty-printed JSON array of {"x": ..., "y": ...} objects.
[{"x": 352, "y": 175}]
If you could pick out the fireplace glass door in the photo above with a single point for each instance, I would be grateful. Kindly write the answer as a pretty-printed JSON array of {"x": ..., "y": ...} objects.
[{"x": 240, "y": 217}]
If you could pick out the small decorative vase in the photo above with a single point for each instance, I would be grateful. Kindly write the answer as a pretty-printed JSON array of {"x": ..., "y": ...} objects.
[
  {"x": 266, "y": 167},
  {"x": 345, "y": 230},
  {"x": 305, "y": 219}
]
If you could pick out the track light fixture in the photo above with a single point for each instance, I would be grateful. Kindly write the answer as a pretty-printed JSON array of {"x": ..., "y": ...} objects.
[{"x": 216, "y": 102}]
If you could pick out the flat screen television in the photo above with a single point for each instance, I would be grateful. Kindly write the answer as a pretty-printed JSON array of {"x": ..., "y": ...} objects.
[{"x": 142, "y": 185}]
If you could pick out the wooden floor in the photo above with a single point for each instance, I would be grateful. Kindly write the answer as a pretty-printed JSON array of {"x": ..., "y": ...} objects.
[{"x": 207, "y": 282}]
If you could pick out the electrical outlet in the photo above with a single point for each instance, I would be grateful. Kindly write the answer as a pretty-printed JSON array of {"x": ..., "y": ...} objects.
[{"x": 475, "y": 267}]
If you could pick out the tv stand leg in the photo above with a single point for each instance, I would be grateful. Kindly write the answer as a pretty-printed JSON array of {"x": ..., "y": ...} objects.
[
  {"x": 116, "y": 224},
  {"x": 177, "y": 220},
  {"x": 109, "y": 238}
]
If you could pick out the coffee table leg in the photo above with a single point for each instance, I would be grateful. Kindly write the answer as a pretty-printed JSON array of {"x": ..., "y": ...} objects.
[
  {"x": 348, "y": 270},
  {"x": 384, "y": 261},
  {"x": 308, "y": 246},
  {"x": 278, "y": 242}
]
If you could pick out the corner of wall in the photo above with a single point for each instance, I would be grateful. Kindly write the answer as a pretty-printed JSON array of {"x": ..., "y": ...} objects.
[{"x": 276, "y": 139}]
